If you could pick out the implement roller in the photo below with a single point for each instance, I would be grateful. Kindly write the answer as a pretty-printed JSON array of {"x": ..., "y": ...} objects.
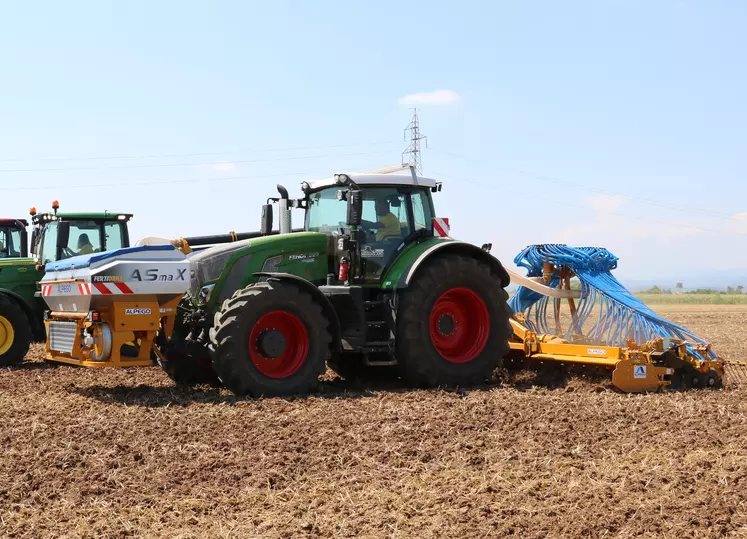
[{"x": 605, "y": 326}]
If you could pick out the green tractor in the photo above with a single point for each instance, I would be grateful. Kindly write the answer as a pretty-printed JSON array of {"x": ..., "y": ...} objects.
[
  {"x": 55, "y": 236},
  {"x": 371, "y": 282}
]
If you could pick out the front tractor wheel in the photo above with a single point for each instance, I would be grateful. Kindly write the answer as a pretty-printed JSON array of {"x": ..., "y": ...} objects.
[
  {"x": 270, "y": 339},
  {"x": 453, "y": 325},
  {"x": 184, "y": 369}
]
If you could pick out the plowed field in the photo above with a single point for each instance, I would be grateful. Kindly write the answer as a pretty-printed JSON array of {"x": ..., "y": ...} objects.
[{"x": 122, "y": 453}]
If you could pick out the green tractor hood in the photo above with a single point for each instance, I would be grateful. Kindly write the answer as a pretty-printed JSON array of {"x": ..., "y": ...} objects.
[{"x": 231, "y": 267}]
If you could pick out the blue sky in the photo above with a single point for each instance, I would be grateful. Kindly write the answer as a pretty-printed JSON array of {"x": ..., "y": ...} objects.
[{"x": 544, "y": 114}]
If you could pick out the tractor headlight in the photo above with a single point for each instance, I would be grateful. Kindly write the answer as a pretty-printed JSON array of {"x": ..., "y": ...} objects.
[
  {"x": 205, "y": 293},
  {"x": 208, "y": 265}
]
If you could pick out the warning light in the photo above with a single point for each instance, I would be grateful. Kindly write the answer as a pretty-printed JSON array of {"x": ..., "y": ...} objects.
[
  {"x": 55, "y": 205},
  {"x": 32, "y": 211}
]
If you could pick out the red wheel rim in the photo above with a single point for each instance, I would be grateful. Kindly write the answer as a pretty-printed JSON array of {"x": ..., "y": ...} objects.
[
  {"x": 459, "y": 325},
  {"x": 273, "y": 360}
]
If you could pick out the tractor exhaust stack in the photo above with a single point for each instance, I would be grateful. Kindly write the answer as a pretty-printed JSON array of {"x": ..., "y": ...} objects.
[{"x": 284, "y": 211}]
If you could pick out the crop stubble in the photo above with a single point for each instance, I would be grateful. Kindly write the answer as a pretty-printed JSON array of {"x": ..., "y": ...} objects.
[{"x": 122, "y": 453}]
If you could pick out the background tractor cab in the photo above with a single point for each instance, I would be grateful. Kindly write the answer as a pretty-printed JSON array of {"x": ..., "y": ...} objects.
[
  {"x": 13, "y": 238},
  {"x": 57, "y": 236},
  {"x": 54, "y": 236}
]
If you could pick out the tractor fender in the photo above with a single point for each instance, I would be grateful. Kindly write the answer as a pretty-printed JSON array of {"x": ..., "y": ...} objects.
[
  {"x": 307, "y": 286},
  {"x": 454, "y": 247},
  {"x": 28, "y": 309}
]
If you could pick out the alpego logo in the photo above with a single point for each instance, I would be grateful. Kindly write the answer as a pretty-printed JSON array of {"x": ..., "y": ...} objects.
[{"x": 137, "y": 311}]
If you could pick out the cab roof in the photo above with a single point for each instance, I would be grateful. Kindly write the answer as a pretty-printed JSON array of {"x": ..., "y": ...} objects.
[
  {"x": 102, "y": 215},
  {"x": 13, "y": 222},
  {"x": 371, "y": 179}
]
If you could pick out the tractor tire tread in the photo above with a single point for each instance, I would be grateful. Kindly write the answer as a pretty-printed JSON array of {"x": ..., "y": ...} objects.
[
  {"x": 184, "y": 370},
  {"x": 230, "y": 331},
  {"x": 22, "y": 338}
]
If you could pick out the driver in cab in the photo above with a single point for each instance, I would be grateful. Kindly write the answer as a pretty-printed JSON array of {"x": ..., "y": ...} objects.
[
  {"x": 388, "y": 224},
  {"x": 84, "y": 245}
]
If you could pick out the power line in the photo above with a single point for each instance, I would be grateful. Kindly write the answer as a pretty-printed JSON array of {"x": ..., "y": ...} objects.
[
  {"x": 197, "y": 154},
  {"x": 534, "y": 196},
  {"x": 166, "y": 182},
  {"x": 164, "y": 165},
  {"x": 645, "y": 200}
]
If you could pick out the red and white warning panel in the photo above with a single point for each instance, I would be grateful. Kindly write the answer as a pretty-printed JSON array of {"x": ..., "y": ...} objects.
[
  {"x": 441, "y": 227},
  {"x": 94, "y": 282},
  {"x": 83, "y": 289}
]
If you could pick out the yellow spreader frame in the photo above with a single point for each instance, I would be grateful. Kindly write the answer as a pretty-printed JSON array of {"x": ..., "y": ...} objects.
[{"x": 137, "y": 331}]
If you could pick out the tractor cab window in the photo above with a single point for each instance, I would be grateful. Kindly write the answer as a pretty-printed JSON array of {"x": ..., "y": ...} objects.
[
  {"x": 326, "y": 213},
  {"x": 385, "y": 225},
  {"x": 114, "y": 234},
  {"x": 85, "y": 239},
  {"x": 48, "y": 244},
  {"x": 10, "y": 242},
  {"x": 385, "y": 214},
  {"x": 422, "y": 209}
]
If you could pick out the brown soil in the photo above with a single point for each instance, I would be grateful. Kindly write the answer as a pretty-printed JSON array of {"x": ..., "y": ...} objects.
[{"x": 122, "y": 453}]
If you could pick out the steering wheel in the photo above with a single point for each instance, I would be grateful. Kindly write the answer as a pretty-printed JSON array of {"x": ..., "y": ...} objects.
[{"x": 68, "y": 252}]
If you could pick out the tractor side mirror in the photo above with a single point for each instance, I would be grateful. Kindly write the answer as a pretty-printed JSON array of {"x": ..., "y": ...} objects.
[
  {"x": 63, "y": 234},
  {"x": 265, "y": 226},
  {"x": 355, "y": 207}
]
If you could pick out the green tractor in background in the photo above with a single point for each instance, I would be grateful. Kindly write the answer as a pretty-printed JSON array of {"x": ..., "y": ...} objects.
[
  {"x": 372, "y": 281},
  {"x": 55, "y": 236}
]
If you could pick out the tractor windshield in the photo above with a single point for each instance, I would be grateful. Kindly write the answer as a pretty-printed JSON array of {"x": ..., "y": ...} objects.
[
  {"x": 11, "y": 243},
  {"x": 326, "y": 213},
  {"x": 87, "y": 236}
]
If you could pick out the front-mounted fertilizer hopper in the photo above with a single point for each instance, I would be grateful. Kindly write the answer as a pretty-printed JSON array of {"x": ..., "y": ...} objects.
[{"x": 106, "y": 309}]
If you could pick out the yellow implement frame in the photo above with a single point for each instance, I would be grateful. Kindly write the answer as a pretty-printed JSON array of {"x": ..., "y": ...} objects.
[
  {"x": 139, "y": 332},
  {"x": 634, "y": 368}
]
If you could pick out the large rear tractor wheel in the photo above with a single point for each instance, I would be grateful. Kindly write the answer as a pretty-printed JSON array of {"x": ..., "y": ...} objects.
[
  {"x": 453, "y": 324},
  {"x": 270, "y": 339},
  {"x": 15, "y": 332}
]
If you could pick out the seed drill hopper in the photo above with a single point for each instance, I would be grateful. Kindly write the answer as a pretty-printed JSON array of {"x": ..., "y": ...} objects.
[{"x": 604, "y": 326}]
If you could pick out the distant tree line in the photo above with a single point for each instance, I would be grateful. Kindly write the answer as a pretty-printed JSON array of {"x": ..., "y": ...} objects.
[{"x": 729, "y": 290}]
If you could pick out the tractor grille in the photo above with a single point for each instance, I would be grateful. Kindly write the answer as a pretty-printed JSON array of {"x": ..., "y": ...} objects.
[{"x": 62, "y": 336}]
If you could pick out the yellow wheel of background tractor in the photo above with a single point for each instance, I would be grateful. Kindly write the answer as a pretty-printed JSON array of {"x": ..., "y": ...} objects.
[
  {"x": 15, "y": 332},
  {"x": 7, "y": 335}
]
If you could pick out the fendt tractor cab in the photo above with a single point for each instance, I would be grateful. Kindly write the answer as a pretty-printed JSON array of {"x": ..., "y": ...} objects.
[
  {"x": 373, "y": 280},
  {"x": 55, "y": 236}
]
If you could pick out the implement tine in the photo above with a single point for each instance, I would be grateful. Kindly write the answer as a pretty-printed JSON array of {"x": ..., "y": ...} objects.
[{"x": 735, "y": 374}]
